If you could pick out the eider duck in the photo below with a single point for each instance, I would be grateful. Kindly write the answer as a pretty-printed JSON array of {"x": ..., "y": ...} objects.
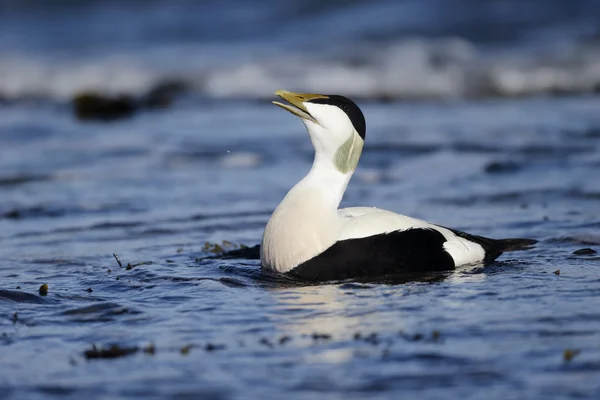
[{"x": 308, "y": 237}]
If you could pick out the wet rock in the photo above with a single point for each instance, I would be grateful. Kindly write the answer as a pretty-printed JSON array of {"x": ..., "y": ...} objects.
[
  {"x": 95, "y": 106},
  {"x": 103, "y": 107}
]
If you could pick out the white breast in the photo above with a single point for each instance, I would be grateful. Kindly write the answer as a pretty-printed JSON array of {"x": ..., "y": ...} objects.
[{"x": 304, "y": 225}]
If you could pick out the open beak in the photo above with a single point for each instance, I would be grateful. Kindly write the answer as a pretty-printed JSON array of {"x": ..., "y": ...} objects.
[{"x": 297, "y": 103}]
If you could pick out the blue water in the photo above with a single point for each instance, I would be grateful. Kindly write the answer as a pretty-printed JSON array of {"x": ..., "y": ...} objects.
[{"x": 161, "y": 188}]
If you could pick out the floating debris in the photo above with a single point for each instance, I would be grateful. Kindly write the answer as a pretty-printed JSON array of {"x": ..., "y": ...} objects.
[
  {"x": 89, "y": 290},
  {"x": 213, "y": 347},
  {"x": 118, "y": 261},
  {"x": 584, "y": 252},
  {"x": 284, "y": 339},
  {"x": 132, "y": 266},
  {"x": 243, "y": 252},
  {"x": 266, "y": 342},
  {"x": 557, "y": 272},
  {"x": 225, "y": 246},
  {"x": 570, "y": 354},
  {"x": 150, "y": 349},
  {"x": 435, "y": 335},
  {"x": 501, "y": 167},
  {"x": 109, "y": 270},
  {"x": 319, "y": 336},
  {"x": 185, "y": 350},
  {"x": 113, "y": 351},
  {"x": 417, "y": 336},
  {"x": 213, "y": 248},
  {"x": 43, "y": 289},
  {"x": 371, "y": 339}
]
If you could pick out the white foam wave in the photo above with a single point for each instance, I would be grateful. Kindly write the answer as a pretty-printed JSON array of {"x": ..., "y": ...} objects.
[
  {"x": 414, "y": 68},
  {"x": 24, "y": 78},
  {"x": 419, "y": 69}
]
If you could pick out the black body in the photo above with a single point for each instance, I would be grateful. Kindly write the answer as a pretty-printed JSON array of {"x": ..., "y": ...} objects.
[{"x": 413, "y": 251}]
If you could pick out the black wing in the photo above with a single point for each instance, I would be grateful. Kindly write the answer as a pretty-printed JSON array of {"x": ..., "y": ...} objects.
[{"x": 411, "y": 251}]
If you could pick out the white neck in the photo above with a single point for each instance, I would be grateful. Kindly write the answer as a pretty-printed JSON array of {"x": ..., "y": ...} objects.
[{"x": 306, "y": 222}]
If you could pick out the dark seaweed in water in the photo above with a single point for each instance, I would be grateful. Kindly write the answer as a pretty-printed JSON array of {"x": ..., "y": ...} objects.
[{"x": 112, "y": 351}]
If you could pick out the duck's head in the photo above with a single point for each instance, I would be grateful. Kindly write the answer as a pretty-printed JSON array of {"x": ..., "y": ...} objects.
[{"x": 335, "y": 124}]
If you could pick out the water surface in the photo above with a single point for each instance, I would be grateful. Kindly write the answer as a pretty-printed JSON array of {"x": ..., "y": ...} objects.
[{"x": 162, "y": 188}]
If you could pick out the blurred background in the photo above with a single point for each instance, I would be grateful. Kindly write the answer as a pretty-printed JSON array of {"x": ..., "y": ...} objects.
[
  {"x": 382, "y": 49},
  {"x": 145, "y": 129}
]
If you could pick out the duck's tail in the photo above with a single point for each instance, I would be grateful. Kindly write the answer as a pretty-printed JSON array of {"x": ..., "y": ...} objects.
[
  {"x": 494, "y": 247},
  {"x": 504, "y": 245}
]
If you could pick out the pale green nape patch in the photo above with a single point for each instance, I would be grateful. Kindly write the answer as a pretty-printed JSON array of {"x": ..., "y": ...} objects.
[{"x": 347, "y": 156}]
